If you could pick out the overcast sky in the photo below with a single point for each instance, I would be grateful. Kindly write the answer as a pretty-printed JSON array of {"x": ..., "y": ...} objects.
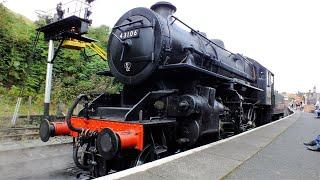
[{"x": 283, "y": 35}]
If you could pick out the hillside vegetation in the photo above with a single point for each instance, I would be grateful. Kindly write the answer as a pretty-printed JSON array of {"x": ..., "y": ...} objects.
[{"x": 23, "y": 65}]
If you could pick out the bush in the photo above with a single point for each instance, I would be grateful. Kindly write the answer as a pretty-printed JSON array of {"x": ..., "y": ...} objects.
[{"x": 23, "y": 65}]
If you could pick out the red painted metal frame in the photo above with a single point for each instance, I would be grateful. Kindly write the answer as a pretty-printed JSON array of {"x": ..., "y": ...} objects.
[{"x": 130, "y": 134}]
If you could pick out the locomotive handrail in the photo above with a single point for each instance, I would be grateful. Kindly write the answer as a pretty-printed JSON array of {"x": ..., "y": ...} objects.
[
  {"x": 227, "y": 79},
  {"x": 195, "y": 31},
  {"x": 209, "y": 41},
  {"x": 127, "y": 24},
  {"x": 119, "y": 39},
  {"x": 245, "y": 58}
]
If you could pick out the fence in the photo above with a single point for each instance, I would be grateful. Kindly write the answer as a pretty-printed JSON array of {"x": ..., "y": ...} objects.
[{"x": 26, "y": 111}]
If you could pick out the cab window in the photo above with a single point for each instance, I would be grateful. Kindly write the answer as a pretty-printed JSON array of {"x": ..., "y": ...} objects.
[{"x": 270, "y": 79}]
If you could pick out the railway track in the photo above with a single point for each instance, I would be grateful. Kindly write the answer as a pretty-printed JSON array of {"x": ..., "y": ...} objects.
[
  {"x": 19, "y": 133},
  {"x": 28, "y": 129},
  {"x": 32, "y": 117}
]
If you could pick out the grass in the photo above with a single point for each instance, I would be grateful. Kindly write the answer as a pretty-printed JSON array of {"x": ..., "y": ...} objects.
[{"x": 7, "y": 106}]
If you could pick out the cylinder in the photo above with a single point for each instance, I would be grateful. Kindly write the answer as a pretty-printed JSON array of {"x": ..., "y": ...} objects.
[
  {"x": 110, "y": 142},
  {"x": 128, "y": 139}
]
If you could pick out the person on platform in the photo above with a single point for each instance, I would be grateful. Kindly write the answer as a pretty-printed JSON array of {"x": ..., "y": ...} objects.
[
  {"x": 317, "y": 109},
  {"x": 313, "y": 145},
  {"x": 301, "y": 106}
]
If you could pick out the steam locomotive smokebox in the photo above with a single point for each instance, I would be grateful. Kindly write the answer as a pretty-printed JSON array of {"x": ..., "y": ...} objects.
[{"x": 60, "y": 29}]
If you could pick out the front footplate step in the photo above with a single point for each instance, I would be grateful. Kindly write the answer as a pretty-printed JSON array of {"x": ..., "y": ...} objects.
[{"x": 117, "y": 113}]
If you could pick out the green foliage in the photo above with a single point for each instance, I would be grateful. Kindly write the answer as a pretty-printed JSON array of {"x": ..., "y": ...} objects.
[
  {"x": 23, "y": 65},
  {"x": 15, "y": 47},
  {"x": 101, "y": 34}
]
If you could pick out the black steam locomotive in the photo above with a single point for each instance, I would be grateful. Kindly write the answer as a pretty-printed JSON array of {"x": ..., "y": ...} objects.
[
  {"x": 182, "y": 76},
  {"x": 180, "y": 90}
]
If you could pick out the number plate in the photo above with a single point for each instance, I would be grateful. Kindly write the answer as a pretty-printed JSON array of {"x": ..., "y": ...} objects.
[{"x": 129, "y": 34}]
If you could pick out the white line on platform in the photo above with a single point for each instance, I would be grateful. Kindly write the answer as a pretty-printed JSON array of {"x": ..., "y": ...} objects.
[{"x": 159, "y": 162}]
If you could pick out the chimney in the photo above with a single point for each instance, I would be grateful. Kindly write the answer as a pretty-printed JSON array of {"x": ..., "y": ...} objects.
[{"x": 164, "y": 8}]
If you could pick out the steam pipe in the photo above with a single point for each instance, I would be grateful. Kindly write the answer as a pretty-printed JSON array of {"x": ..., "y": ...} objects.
[{"x": 70, "y": 112}]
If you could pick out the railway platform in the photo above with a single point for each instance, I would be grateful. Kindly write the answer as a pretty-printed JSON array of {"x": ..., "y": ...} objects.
[{"x": 272, "y": 151}]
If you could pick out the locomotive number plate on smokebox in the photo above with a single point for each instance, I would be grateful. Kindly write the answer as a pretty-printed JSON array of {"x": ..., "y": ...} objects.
[{"x": 129, "y": 34}]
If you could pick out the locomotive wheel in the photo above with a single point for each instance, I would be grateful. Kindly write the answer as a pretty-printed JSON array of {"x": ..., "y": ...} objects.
[
  {"x": 240, "y": 126},
  {"x": 80, "y": 158},
  {"x": 148, "y": 154}
]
